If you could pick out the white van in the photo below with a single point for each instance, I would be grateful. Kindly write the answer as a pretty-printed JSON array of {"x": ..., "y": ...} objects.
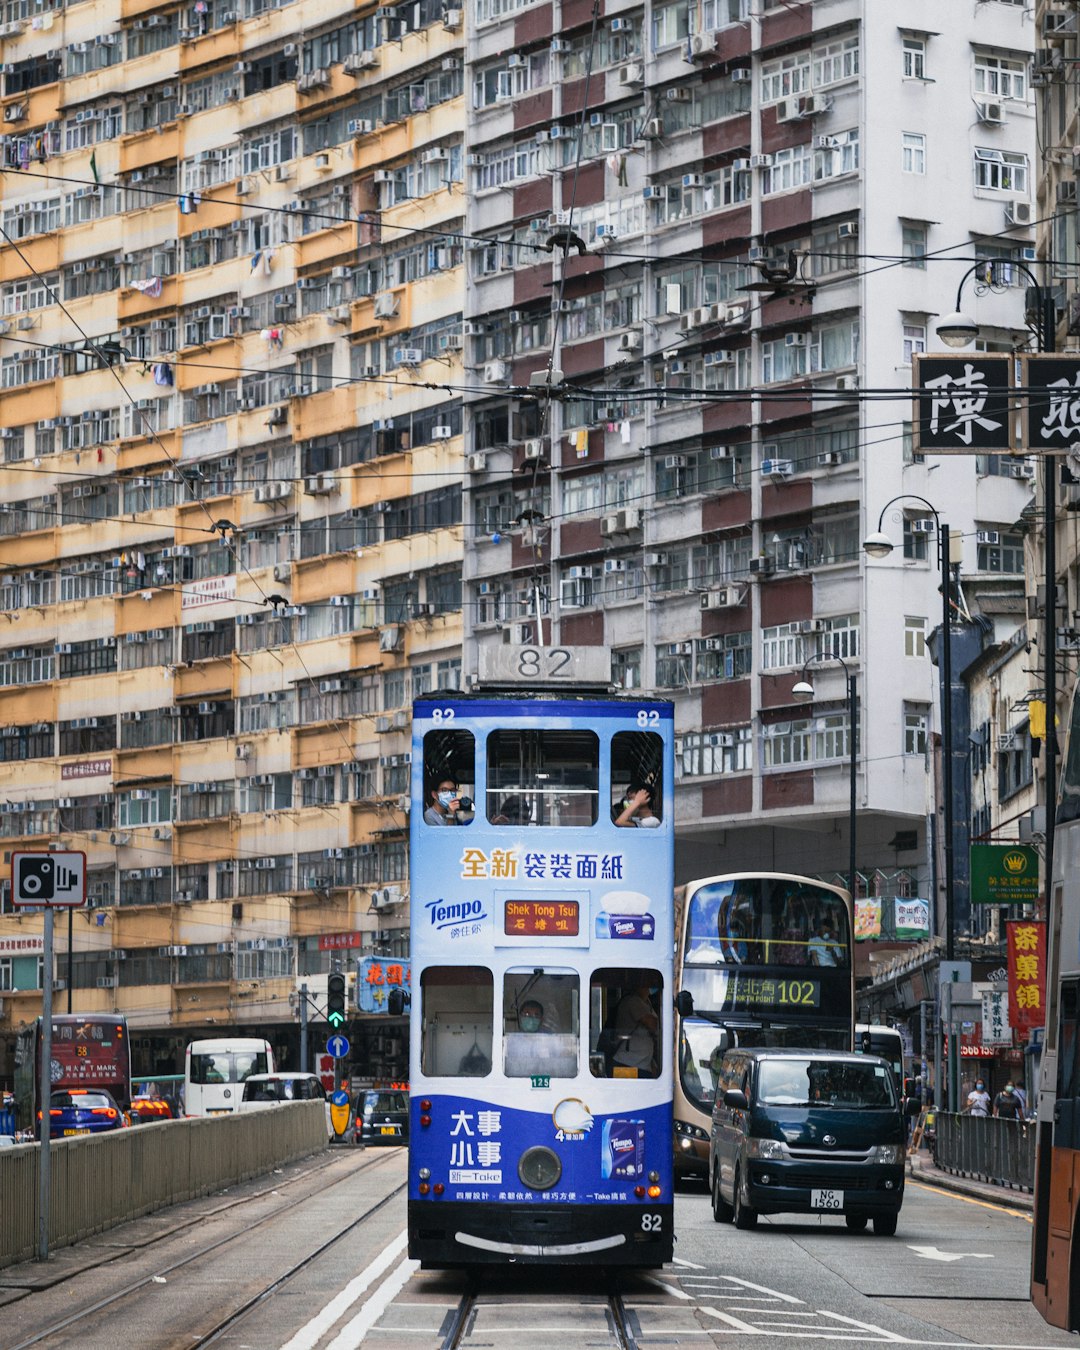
[
  {"x": 215, "y": 1072},
  {"x": 263, "y": 1090}
]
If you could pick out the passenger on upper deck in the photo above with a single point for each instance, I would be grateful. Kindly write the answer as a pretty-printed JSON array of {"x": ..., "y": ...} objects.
[
  {"x": 637, "y": 809},
  {"x": 446, "y": 805}
]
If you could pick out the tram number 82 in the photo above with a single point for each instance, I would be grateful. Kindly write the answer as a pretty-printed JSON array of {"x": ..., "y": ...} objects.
[{"x": 652, "y": 1223}]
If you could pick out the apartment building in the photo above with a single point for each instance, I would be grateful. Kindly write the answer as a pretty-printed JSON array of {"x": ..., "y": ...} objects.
[
  {"x": 231, "y": 291},
  {"x": 718, "y": 233},
  {"x": 341, "y": 345}
]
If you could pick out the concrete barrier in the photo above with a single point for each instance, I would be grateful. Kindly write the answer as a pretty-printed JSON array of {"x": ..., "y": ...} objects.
[{"x": 96, "y": 1183}]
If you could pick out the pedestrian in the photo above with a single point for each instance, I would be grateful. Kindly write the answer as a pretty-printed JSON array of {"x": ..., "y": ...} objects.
[
  {"x": 1007, "y": 1104},
  {"x": 1021, "y": 1092},
  {"x": 978, "y": 1102}
]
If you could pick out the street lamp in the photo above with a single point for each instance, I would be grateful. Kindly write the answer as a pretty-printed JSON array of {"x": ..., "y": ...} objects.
[
  {"x": 879, "y": 545},
  {"x": 803, "y": 692},
  {"x": 959, "y": 330}
]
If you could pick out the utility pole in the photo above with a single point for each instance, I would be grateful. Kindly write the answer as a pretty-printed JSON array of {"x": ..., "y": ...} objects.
[{"x": 303, "y": 1029}]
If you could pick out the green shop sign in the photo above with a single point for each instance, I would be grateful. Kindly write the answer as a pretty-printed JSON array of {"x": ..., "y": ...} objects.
[{"x": 1004, "y": 874}]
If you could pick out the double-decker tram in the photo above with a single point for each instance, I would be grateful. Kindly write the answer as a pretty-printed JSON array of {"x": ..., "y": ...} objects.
[
  {"x": 542, "y": 852},
  {"x": 1055, "y": 1243},
  {"x": 764, "y": 959}
]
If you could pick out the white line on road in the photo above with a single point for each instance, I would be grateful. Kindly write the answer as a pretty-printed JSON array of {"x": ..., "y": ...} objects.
[
  {"x": 354, "y": 1332},
  {"x": 866, "y": 1326},
  {"x": 690, "y": 1265},
  {"x": 309, "y": 1336},
  {"x": 736, "y": 1323},
  {"x": 667, "y": 1288},
  {"x": 764, "y": 1289}
]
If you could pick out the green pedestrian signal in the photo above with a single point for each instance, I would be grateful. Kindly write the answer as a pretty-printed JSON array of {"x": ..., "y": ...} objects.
[{"x": 335, "y": 999}]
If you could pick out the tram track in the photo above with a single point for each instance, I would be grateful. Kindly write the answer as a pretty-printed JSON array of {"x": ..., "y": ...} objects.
[
  {"x": 160, "y": 1274},
  {"x": 472, "y": 1305}
]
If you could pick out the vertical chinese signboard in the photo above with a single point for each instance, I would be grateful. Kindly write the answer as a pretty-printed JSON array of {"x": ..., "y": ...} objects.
[
  {"x": 1052, "y": 407},
  {"x": 962, "y": 404},
  {"x": 1027, "y": 973},
  {"x": 995, "y": 1023}
]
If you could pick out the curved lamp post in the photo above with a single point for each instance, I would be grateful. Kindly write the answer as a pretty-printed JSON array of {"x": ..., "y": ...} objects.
[
  {"x": 803, "y": 692},
  {"x": 879, "y": 545},
  {"x": 959, "y": 330}
]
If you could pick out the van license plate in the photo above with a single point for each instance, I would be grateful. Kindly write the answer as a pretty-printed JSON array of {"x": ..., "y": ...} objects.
[{"x": 826, "y": 1199}]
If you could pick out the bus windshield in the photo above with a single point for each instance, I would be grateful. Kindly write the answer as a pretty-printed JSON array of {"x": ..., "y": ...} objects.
[
  {"x": 764, "y": 921},
  {"x": 227, "y": 1066}
]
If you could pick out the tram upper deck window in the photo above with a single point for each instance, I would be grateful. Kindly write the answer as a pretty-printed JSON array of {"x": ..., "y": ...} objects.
[
  {"x": 449, "y": 774},
  {"x": 637, "y": 762},
  {"x": 543, "y": 777},
  {"x": 457, "y": 1021},
  {"x": 540, "y": 1023}
]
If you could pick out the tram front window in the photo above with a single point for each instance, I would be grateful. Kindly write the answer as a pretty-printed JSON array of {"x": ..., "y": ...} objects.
[
  {"x": 456, "y": 1006},
  {"x": 541, "y": 1023},
  {"x": 548, "y": 777}
]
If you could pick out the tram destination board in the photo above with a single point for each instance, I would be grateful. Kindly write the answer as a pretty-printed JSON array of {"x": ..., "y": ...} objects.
[
  {"x": 541, "y": 918},
  {"x": 533, "y": 664}
]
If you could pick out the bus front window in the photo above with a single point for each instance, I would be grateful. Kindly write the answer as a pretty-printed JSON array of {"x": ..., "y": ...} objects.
[
  {"x": 758, "y": 921},
  {"x": 701, "y": 1048}
]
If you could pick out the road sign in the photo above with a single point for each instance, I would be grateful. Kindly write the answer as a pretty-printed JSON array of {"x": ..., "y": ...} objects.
[
  {"x": 340, "y": 1097},
  {"x": 338, "y": 1046},
  {"x": 48, "y": 880}
]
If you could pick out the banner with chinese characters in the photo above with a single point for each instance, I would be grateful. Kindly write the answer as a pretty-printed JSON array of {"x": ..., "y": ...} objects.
[
  {"x": 1052, "y": 405},
  {"x": 962, "y": 404},
  {"x": 912, "y": 919},
  {"x": 375, "y": 978},
  {"x": 867, "y": 919},
  {"x": 995, "y": 1021},
  {"x": 1027, "y": 973}
]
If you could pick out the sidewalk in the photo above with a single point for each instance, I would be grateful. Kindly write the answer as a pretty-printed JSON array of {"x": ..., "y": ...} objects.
[{"x": 920, "y": 1167}]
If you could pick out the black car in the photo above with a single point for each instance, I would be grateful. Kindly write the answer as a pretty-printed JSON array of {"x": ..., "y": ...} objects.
[{"x": 382, "y": 1116}]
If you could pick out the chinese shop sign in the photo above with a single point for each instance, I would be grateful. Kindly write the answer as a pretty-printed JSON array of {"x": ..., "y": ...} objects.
[
  {"x": 1027, "y": 973},
  {"x": 374, "y": 980},
  {"x": 962, "y": 404},
  {"x": 1004, "y": 874}
]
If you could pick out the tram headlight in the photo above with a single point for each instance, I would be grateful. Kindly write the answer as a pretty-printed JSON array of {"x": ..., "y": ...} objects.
[
  {"x": 424, "y": 1174},
  {"x": 539, "y": 1168},
  {"x": 764, "y": 1148}
]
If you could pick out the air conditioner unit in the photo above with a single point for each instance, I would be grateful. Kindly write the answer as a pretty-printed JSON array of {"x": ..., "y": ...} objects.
[
  {"x": 830, "y": 459},
  {"x": 384, "y": 897},
  {"x": 386, "y": 306},
  {"x": 361, "y": 126},
  {"x": 495, "y": 372},
  {"x": 987, "y": 537},
  {"x": 762, "y": 567},
  {"x": 992, "y": 113},
  {"x": 452, "y": 19},
  {"x": 700, "y": 45},
  {"x": 408, "y": 356},
  {"x": 674, "y": 461},
  {"x": 631, "y": 76},
  {"x": 477, "y": 462},
  {"x": 761, "y": 161},
  {"x": 795, "y": 339},
  {"x": 923, "y": 526},
  {"x": 777, "y": 468},
  {"x": 725, "y": 597},
  {"x": 722, "y": 357},
  {"x": 1019, "y": 213},
  {"x": 847, "y": 229},
  {"x": 846, "y": 383},
  {"x": 108, "y": 981},
  {"x": 436, "y": 156},
  {"x": 1009, "y": 741},
  {"x": 788, "y": 109},
  {"x": 320, "y": 484}
]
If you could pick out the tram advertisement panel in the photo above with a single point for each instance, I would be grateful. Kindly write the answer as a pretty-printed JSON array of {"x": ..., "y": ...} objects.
[{"x": 542, "y": 944}]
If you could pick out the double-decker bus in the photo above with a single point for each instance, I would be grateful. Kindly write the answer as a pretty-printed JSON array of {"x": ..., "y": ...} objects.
[
  {"x": 88, "y": 1050},
  {"x": 1055, "y": 1243},
  {"x": 542, "y": 856},
  {"x": 766, "y": 960}
]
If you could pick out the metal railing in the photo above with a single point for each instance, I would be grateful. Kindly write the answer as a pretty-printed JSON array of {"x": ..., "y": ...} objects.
[
  {"x": 96, "y": 1183},
  {"x": 987, "y": 1149}
]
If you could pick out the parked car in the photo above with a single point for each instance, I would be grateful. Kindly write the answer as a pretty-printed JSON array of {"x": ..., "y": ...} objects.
[
  {"x": 806, "y": 1132},
  {"x": 83, "y": 1111},
  {"x": 262, "y": 1090},
  {"x": 381, "y": 1116}
]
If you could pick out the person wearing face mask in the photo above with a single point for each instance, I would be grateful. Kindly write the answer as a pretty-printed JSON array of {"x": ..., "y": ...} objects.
[
  {"x": 978, "y": 1102},
  {"x": 444, "y": 805},
  {"x": 530, "y": 1015},
  {"x": 636, "y": 1030},
  {"x": 1007, "y": 1104}
]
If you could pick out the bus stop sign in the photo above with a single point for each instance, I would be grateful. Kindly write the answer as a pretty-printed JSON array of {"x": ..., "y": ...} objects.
[{"x": 48, "y": 880}]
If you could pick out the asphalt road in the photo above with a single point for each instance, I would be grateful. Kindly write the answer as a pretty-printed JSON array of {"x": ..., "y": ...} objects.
[{"x": 956, "y": 1273}]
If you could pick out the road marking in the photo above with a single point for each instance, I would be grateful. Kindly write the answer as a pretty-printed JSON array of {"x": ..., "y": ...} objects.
[
  {"x": 667, "y": 1288},
  {"x": 936, "y": 1254},
  {"x": 970, "y": 1200},
  {"x": 354, "y": 1332},
  {"x": 690, "y": 1265},
  {"x": 763, "y": 1289},
  {"x": 733, "y": 1322},
  {"x": 866, "y": 1326},
  {"x": 309, "y": 1336}
]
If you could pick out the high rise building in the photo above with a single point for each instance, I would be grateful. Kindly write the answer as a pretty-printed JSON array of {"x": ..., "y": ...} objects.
[{"x": 311, "y": 312}]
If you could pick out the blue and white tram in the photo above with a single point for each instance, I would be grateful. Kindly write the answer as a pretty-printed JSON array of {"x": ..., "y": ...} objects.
[{"x": 542, "y": 860}]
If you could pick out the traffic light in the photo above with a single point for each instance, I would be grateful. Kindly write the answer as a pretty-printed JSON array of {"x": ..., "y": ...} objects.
[{"x": 335, "y": 999}]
